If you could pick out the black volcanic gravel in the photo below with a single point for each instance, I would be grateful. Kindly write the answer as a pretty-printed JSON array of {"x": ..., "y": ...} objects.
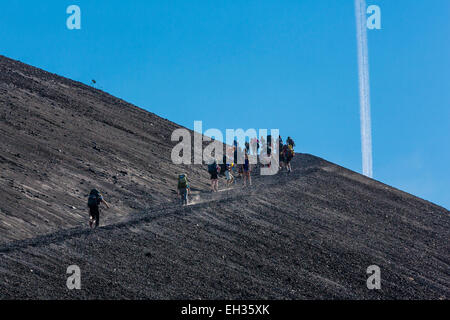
[{"x": 310, "y": 234}]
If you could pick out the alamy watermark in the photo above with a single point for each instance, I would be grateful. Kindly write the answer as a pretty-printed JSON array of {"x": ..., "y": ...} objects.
[
  {"x": 74, "y": 280},
  {"x": 374, "y": 281},
  {"x": 374, "y": 20},
  {"x": 74, "y": 20}
]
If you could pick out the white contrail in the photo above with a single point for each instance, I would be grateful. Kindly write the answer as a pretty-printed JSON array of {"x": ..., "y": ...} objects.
[{"x": 364, "y": 87}]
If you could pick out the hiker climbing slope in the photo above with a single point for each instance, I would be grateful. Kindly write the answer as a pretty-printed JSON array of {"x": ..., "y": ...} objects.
[
  {"x": 214, "y": 170},
  {"x": 287, "y": 155},
  {"x": 183, "y": 188},
  {"x": 228, "y": 174},
  {"x": 246, "y": 171},
  {"x": 94, "y": 201},
  {"x": 225, "y": 170}
]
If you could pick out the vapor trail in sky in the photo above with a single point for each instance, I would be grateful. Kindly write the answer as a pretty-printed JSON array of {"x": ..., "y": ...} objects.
[{"x": 364, "y": 87}]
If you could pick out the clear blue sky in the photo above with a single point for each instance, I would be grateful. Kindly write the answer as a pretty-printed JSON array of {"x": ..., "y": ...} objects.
[{"x": 290, "y": 65}]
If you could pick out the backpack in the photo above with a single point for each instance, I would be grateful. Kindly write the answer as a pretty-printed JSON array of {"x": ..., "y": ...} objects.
[
  {"x": 94, "y": 198},
  {"x": 212, "y": 167},
  {"x": 182, "y": 181},
  {"x": 291, "y": 150}
]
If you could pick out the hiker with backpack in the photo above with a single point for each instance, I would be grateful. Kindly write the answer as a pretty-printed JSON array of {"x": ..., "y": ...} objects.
[
  {"x": 94, "y": 201},
  {"x": 214, "y": 170},
  {"x": 225, "y": 170},
  {"x": 288, "y": 154},
  {"x": 183, "y": 188},
  {"x": 246, "y": 171}
]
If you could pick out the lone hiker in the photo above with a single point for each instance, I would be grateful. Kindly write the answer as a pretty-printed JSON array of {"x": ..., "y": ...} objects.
[
  {"x": 94, "y": 201},
  {"x": 183, "y": 188}
]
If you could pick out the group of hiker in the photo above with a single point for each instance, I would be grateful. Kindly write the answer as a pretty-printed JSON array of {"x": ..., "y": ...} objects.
[{"x": 228, "y": 168}]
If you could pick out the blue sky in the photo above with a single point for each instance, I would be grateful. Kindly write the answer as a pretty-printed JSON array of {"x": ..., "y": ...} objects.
[{"x": 290, "y": 65}]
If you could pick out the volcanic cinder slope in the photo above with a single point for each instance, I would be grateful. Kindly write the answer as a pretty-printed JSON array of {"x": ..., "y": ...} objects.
[
  {"x": 60, "y": 138},
  {"x": 307, "y": 235}
]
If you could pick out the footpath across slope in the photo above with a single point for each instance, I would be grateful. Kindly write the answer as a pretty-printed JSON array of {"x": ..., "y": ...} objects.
[{"x": 308, "y": 235}]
